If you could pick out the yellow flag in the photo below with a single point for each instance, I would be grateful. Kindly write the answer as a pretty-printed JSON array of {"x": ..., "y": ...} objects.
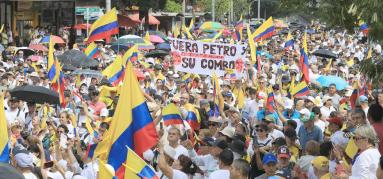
[
  {"x": 89, "y": 126},
  {"x": 369, "y": 53},
  {"x": 43, "y": 124},
  {"x": 104, "y": 171},
  {"x": 2, "y": 28},
  {"x": 328, "y": 65},
  {"x": 176, "y": 31},
  {"x": 147, "y": 37},
  {"x": 4, "y": 148},
  {"x": 250, "y": 37},
  {"x": 351, "y": 149}
]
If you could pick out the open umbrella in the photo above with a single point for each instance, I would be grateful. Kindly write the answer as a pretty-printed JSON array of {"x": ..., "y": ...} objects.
[
  {"x": 87, "y": 72},
  {"x": 326, "y": 81},
  {"x": 130, "y": 39},
  {"x": 163, "y": 46},
  {"x": 77, "y": 59},
  {"x": 156, "y": 39},
  {"x": 68, "y": 67},
  {"x": 157, "y": 53},
  {"x": 35, "y": 58},
  {"x": 55, "y": 39},
  {"x": 211, "y": 26},
  {"x": 27, "y": 51},
  {"x": 325, "y": 53},
  {"x": 37, "y": 94},
  {"x": 159, "y": 33},
  {"x": 38, "y": 47}
]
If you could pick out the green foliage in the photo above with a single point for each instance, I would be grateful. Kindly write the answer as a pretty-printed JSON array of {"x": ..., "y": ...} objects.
[
  {"x": 373, "y": 68},
  {"x": 221, "y": 7},
  {"x": 172, "y": 6}
]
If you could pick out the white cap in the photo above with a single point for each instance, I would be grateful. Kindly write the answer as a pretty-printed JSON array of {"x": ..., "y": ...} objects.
[
  {"x": 104, "y": 112},
  {"x": 176, "y": 75},
  {"x": 326, "y": 98},
  {"x": 147, "y": 74},
  {"x": 228, "y": 131},
  {"x": 289, "y": 104},
  {"x": 170, "y": 72},
  {"x": 305, "y": 112},
  {"x": 150, "y": 60}
]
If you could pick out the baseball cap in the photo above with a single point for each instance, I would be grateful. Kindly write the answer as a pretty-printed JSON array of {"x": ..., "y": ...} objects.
[
  {"x": 320, "y": 162},
  {"x": 228, "y": 131},
  {"x": 363, "y": 99},
  {"x": 305, "y": 115},
  {"x": 269, "y": 118},
  {"x": 283, "y": 152},
  {"x": 104, "y": 112},
  {"x": 24, "y": 160},
  {"x": 336, "y": 120},
  {"x": 268, "y": 158},
  {"x": 326, "y": 98}
]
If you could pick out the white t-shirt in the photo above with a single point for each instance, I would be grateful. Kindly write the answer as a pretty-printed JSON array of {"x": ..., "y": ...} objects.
[
  {"x": 180, "y": 150},
  {"x": 177, "y": 174},
  {"x": 220, "y": 174},
  {"x": 29, "y": 175},
  {"x": 321, "y": 124},
  {"x": 12, "y": 115},
  {"x": 366, "y": 164}
]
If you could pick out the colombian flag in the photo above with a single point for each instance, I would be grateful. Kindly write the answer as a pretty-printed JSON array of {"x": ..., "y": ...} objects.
[
  {"x": 270, "y": 103},
  {"x": 253, "y": 49},
  {"x": 363, "y": 27},
  {"x": 4, "y": 146},
  {"x": 92, "y": 51},
  {"x": 52, "y": 71},
  {"x": 289, "y": 42},
  {"x": 218, "y": 99},
  {"x": 116, "y": 70},
  {"x": 136, "y": 168},
  {"x": 264, "y": 31},
  {"x": 132, "y": 125},
  {"x": 171, "y": 115},
  {"x": 238, "y": 30},
  {"x": 300, "y": 90},
  {"x": 304, "y": 60},
  {"x": 192, "y": 116},
  {"x": 55, "y": 75},
  {"x": 104, "y": 27}
]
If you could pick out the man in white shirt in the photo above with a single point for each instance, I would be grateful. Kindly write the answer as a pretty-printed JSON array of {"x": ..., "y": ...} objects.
[
  {"x": 174, "y": 135},
  {"x": 13, "y": 113},
  {"x": 327, "y": 107},
  {"x": 226, "y": 158},
  {"x": 332, "y": 93}
]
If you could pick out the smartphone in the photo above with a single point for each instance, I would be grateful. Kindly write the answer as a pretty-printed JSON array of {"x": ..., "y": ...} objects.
[{"x": 48, "y": 164}]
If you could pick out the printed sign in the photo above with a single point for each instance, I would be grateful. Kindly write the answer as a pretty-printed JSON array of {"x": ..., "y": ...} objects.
[{"x": 207, "y": 58}]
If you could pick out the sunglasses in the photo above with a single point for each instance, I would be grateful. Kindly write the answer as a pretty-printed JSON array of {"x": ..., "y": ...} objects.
[
  {"x": 213, "y": 124},
  {"x": 358, "y": 138},
  {"x": 259, "y": 130}
]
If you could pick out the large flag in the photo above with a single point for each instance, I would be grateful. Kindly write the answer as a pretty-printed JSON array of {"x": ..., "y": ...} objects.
[
  {"x": 300, "y": 90},
  {"x": 264, "y": 31},
  {"x": 238, "y": 30},
  {"x": 115, "y": 71},
  {"x": 104, "y": 27},
  {"x": 171, "y": 115},
  {"x": 289, "y": 42},
  {"x": 270, "y": 103},
  {"x": 192, "y": 116},
  {"x": 304, "y": 60},
  {"x": 92, "y": 50},
  {"x": 136, "y": 168},
  {"x": 55, "y": 75},
  {"x": 132, "y": 124},
  {"x": 4, "y": 146},
  {"x": 52, "y": 71}
]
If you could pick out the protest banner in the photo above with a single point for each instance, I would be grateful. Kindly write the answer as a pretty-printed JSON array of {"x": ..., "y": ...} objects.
[{"x": 207, "y": 58}]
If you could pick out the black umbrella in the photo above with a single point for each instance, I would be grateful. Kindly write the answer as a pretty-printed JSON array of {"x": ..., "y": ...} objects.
[
  {"x": 37, "y": 94},
  {"x": 325, "y": 53},
  {"x": 77, "y": 58},
  {"x": 8, "y": 171},
  {"x": 68, "y": 67},
  {"x": 157, "y": 53},
  {"x": 87, "y": 72}
]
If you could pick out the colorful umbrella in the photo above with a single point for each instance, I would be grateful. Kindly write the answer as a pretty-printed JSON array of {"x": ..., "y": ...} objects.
[
  {"x": 156, "y": 39},
  {"x": 211, "y": 26},
  {"x": 82, "y": 26},
  {"x": 56, "y": 39},
  {"x": 157, "y": 53},
  {"x": 35, "y": 58},
  {"x": 326, "y": 81},
  {"x": 159, "y": 33},
  {"x": 163, "y": 46},
  {"x": 38, "y": 47}
]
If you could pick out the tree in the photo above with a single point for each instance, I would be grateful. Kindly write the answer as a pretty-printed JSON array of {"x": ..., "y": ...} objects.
[
  {"x": 172, "y": 6},
  {"x": 240, "y": 7}
]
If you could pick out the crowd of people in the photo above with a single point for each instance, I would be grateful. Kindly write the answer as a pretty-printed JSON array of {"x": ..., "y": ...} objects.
[{"x": 320, "y": 135}]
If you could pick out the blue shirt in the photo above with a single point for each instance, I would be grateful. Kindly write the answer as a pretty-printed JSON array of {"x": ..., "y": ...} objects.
[
  {"x": 304, "y": 136},
  {"x": 294, "y": 115},
  {"x": 261, "y": 115}
]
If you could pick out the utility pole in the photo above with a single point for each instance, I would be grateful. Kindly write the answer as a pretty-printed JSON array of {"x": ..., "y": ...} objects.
[
  {"x": 213, "y": 10},
  {"x": 259, "y": 9},
  {"x": 107, "y": 5}
]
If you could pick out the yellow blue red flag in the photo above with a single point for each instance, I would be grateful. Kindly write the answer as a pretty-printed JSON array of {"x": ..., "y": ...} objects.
[
  {"x": 4, "y": 146},
  {"x": 132, "y": 124},
  {"x": 171, "y": 115},
  {"x": 192, "y": 116},
  {"x": 266, "y": 30},
  {"x": 300, "y": 90},
  {"x": 289, "y": 42},
  {"x": 104, "y": 27},
  {"x": 92, "y": 50},
  {"x": 304, "y": 60},
  {"x": 136, "y": 168}
]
